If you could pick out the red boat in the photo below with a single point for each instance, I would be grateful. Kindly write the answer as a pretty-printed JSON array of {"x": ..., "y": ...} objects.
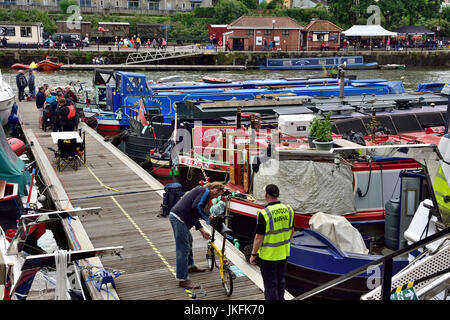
[
  {"x": 17, "y": 145},
  {"x": 20, "y": 66},
  {"x": 216, "y": 80},
  {"x": 49, "y": 64}
]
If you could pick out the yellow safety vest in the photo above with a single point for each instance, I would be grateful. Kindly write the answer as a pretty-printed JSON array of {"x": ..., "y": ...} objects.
[
  {"x": 279, "y": 223},
  {"x": 442, "y": 194}
]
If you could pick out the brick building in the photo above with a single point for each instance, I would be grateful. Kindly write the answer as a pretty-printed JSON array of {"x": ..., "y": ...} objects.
[
  {"x": 250, "y": 33},
  {"x": 319, "y": 32}
]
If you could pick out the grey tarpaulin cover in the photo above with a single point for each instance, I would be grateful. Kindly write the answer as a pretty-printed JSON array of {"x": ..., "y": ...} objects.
[
  {"x": 340, "y": 231},
  {"x": 308, "y": 186}
]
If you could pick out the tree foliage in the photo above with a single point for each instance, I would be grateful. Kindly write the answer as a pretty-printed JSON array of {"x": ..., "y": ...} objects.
[
  {"x": 64, "y": 4},
  {"x": 227, "y": 11},
  {"x": 393, "y": 13}
]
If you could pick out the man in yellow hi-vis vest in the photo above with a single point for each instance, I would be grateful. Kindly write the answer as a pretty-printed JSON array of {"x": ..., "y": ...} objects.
[{"x": 272, "y": 243}]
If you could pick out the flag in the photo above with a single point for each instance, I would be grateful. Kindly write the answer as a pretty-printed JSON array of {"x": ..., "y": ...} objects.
[{"x": 141, "y": 115}]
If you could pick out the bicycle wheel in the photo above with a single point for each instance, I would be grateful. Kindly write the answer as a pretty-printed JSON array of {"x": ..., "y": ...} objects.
[
  {"x": 227, "y": 280},
  {"x": 210, "y": 258}
]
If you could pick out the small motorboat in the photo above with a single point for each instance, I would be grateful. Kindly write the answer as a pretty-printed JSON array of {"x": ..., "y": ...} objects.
[
  {"x": 216, "y": 80},
  {"x": 49, "y": 64},
  {"x": 33, "y": 65},
  {"x": 20, "y": 66},
  {"x": 17, "y": 145}
]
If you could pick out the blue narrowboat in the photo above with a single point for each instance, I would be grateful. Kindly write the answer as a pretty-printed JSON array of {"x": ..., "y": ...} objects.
[{"x": 354, "y": 62}]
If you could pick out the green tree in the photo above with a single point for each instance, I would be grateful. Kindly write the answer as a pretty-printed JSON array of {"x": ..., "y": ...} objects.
[
  {"x": 64, "y": 4},
  {"x": 274, "y": 4},
  {"x": 250, "y": 4},
  {"x": 227, "y": 11}
]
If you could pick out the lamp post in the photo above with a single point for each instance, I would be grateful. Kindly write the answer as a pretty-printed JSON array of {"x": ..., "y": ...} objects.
[{"x": 438, "y": 29}]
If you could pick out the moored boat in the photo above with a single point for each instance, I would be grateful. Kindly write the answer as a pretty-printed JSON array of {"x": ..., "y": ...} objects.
[
  {"x": 216, "y": 80},
  {"x": 49, "y": 64},
  {"x": 318, "y": 257},
  {"x": 6, "y": 101},
  {"x": 20, "y": 66},
  {"x": 352, "y": 62}
]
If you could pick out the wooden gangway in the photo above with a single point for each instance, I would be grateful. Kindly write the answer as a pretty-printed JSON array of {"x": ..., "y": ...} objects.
[{"x": 130, "y": 199}]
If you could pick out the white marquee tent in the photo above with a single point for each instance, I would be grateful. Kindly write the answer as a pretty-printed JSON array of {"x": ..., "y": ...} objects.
[{"x": 371, "y": 30}]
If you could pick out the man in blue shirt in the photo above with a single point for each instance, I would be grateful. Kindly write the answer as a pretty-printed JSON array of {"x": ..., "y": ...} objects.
[{"x": 185, "y": 214}]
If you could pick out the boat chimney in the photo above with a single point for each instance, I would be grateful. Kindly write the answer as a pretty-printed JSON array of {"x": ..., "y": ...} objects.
[
  {"x": 341, "y": 82},
  {"x": 238, "y": 117}
]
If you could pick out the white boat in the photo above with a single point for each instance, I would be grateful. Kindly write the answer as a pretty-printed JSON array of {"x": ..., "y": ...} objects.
[{"x": 6, "y": 100}]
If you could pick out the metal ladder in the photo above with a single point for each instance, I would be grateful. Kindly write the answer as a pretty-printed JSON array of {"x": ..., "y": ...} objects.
[
  {"x": 429, "y": 276},
  {"x": 159, "y": 54}
]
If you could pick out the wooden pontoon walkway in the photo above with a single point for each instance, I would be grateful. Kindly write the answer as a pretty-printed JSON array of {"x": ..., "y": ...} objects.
[{"x": 128, "y": 220}]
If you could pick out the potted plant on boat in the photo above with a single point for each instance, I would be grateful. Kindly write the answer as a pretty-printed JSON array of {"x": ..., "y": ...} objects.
[
  {"x": 322, "y": 133},
  {"x": 313, "y": 125}
]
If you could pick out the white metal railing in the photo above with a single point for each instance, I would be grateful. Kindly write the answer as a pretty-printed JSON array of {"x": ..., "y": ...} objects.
[{"x": 162, "y": 54}]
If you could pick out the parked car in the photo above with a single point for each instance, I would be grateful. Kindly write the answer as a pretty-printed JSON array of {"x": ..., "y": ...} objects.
[{"x": 71, "y": 40}]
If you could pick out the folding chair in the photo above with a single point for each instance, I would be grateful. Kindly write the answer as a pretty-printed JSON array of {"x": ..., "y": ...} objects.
[{"x": 66, "y": 155}]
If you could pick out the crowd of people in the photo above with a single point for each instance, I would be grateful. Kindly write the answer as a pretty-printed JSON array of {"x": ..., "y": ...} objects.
[
  {"x": 393, "y": 44},
  {"x": 57, "y": 105},
  {"x": 136, "y": 42},
  {"x": 100, "y": 60}
]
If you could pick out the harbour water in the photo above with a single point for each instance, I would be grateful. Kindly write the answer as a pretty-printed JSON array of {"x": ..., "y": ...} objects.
[{"x": 411, "y": 75}]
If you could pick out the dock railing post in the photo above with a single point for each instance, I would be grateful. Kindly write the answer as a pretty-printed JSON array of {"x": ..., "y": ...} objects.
[{"x": 387, "y": 280}]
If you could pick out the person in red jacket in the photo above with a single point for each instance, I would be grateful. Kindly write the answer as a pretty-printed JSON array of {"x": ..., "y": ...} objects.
[{"x": 67, "y": 115}]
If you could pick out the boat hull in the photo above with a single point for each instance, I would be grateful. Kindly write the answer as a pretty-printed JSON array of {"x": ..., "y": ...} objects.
[
  {"x": 20, "y": 66},
  {"x": 315, "y": 260},
  {"x": 355, "y": 66},
  {"x": 300, "y": 280},
  {"x": 48, "y": 66},
  {"x": 5, "y": 107}
]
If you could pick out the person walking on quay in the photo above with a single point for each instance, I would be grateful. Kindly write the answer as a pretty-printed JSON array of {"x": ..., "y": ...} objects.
[
  {"x": 272, "y": 243},
  {"x": 40, "y": 101},
  {"x": 185, "y": 214},
  {"x": 31, "y": 85},
  {"x": 63, "y": 43},
  {"x": 4, "y": 42},
  {"x": 22, "y": 83}
]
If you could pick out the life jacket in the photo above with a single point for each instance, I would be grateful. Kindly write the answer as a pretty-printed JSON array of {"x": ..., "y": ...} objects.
[{"x": 72, "y": 111}]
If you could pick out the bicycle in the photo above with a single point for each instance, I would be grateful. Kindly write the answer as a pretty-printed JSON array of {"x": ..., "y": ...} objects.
[{"x": 226, "y": 274}]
